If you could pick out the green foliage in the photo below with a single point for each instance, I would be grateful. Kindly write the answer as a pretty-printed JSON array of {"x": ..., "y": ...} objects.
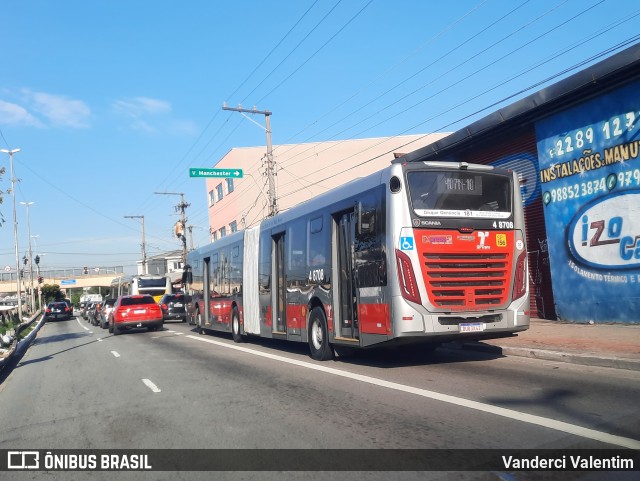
[
  {"x": 75, "y": 298},
  {"x": 50, "y": 293}
]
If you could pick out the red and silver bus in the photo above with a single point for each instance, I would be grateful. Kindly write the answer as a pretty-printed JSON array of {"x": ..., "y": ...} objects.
[{"x": 418, "y": 253}]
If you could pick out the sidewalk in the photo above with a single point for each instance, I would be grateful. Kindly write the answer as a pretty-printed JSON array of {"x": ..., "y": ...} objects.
[{"x": 605, "y": 345}]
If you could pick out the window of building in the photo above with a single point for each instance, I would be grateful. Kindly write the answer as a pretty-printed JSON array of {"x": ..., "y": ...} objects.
[
  {"x": 214, "y": 236},
  {"x": 223, "y": 232},
  {"x": 212, "y": 198},
  {"x": 219, "y": 190},
  {"x": 229, "y": 185},
  {"x": 233, "y": 226}
]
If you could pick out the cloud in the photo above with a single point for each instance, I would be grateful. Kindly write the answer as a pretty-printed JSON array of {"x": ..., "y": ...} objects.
[
  {"x": 139, "y": 106},
  {"x": 14, "y": 114},
  {"x": 151, "y": 115},
  {"x": 59, "y": 110}
]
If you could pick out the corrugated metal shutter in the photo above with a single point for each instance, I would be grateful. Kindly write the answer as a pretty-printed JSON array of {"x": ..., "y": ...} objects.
[{"x": 516, "y": 149}]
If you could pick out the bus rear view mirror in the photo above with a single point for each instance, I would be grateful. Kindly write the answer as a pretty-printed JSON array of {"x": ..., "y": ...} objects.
[
  {"x": 187, "y": 277},
  {"x": 366, "y": 219}
]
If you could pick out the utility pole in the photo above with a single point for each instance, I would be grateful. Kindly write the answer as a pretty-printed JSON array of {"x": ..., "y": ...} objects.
[
  {"x": 15, "y": 231},
  {"x": 144, "y": 249},
  {"x": 32, "y": 302},
  {"x": 271, "y": 165},
  {"x": 181, "y": 225}
]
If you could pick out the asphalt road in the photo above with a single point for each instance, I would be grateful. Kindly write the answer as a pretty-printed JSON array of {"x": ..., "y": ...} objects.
[{"x": 78, "y": 387}]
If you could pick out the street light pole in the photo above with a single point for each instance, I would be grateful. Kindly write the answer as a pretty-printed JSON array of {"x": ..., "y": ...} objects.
[
  {"x": 15, "y": 231},
  {"x": 31, "y": 297},
  {"x": 144, "y": 249}
]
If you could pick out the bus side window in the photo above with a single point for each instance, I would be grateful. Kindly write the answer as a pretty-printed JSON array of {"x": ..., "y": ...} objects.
[
  {"x": 264, "y": 263},
  {"x": 296, "y": 239},
  {"x": 370, "y": 258},
  {"x": 318, "y": 243}
]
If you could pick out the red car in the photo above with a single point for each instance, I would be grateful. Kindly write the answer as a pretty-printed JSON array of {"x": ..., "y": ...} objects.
[{"x": 132, "y": 312}]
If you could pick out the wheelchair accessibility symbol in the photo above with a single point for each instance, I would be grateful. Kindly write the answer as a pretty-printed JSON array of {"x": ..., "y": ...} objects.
[{"x": 406, "y": 243}]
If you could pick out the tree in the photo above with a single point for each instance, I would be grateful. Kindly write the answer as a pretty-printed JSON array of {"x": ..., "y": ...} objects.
[
  {"x": 51, "y": 292},
  {"x": 75, "y": 298}
]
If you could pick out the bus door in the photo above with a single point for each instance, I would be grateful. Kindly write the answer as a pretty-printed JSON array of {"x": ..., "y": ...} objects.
[
  {"x": 347, "y": 318},
  {"x": 206, "y": 295},
  {"x": 279, "y": 295}
]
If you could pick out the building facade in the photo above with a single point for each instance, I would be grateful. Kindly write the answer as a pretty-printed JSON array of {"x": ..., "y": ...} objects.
[
  {"x": 576, "y": 147},
  {"x": 166, "y": 263}
]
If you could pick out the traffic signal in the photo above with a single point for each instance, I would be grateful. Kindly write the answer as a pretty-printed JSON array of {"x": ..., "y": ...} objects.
[
  {"x": 40, "y": 279},
  {"x": 85, "y": 270},
  {"x": 37, "y": 259}
]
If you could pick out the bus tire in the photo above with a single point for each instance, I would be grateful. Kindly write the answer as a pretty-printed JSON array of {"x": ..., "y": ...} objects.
[
  {"x": 319, "y": 347},
  {"x": 198, "y": 320},
  {"x": 235, "y": 326}
]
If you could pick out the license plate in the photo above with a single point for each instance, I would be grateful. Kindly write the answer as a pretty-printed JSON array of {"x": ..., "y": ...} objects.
[
  {"x": 472, "y": 327},
  {"x": 139, "y": 311},
  {"x": 177, "y": 304}
]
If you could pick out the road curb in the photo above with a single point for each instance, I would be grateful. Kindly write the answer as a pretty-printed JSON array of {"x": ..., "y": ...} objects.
[
  {"x": 550, "y": 355},
  {"x": 23, "y": 344}
]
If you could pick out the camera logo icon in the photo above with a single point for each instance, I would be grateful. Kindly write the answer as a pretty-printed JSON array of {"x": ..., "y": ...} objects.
[{"x": 23, "y": 460}]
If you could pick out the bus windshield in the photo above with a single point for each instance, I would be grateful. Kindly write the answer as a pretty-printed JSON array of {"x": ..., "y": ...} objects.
[{"x": 460, "y": 194}]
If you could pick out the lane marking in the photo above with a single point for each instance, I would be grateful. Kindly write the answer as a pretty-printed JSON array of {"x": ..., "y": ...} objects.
[
  {"x": 457, "y": 401},
  {"x": 80, "y": 324},
  {"x": 151, "y": 386},
  {"x": 115, "y": 354}
]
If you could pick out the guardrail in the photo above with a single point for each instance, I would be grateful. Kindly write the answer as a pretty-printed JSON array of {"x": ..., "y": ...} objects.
[{"x": 64, "y": 273}]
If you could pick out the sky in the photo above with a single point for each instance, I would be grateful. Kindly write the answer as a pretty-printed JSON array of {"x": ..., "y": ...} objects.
[{"x": 111, "y": 101}]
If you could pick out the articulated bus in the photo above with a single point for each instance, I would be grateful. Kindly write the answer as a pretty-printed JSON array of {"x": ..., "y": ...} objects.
[
  {"x": 154, "y": 285},
  {"x": 418, "y": 253}
]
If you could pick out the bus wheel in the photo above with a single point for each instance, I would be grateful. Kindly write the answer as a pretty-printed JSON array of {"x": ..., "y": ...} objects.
[
  {"x": 198, "y": 322},
  {"x": 319, "y": 336},
  {"x": 235, "y": 326}
]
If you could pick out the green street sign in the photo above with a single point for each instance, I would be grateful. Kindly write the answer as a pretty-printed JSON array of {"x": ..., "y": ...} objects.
[{"x": 198, "y": 172}]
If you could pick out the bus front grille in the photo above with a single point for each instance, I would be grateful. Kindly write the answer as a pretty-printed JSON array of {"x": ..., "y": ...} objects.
[{"x": 472, "y": 281}]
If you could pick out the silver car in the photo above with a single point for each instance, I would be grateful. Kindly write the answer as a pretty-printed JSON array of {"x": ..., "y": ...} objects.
[{"x": 103, "y": 313}]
